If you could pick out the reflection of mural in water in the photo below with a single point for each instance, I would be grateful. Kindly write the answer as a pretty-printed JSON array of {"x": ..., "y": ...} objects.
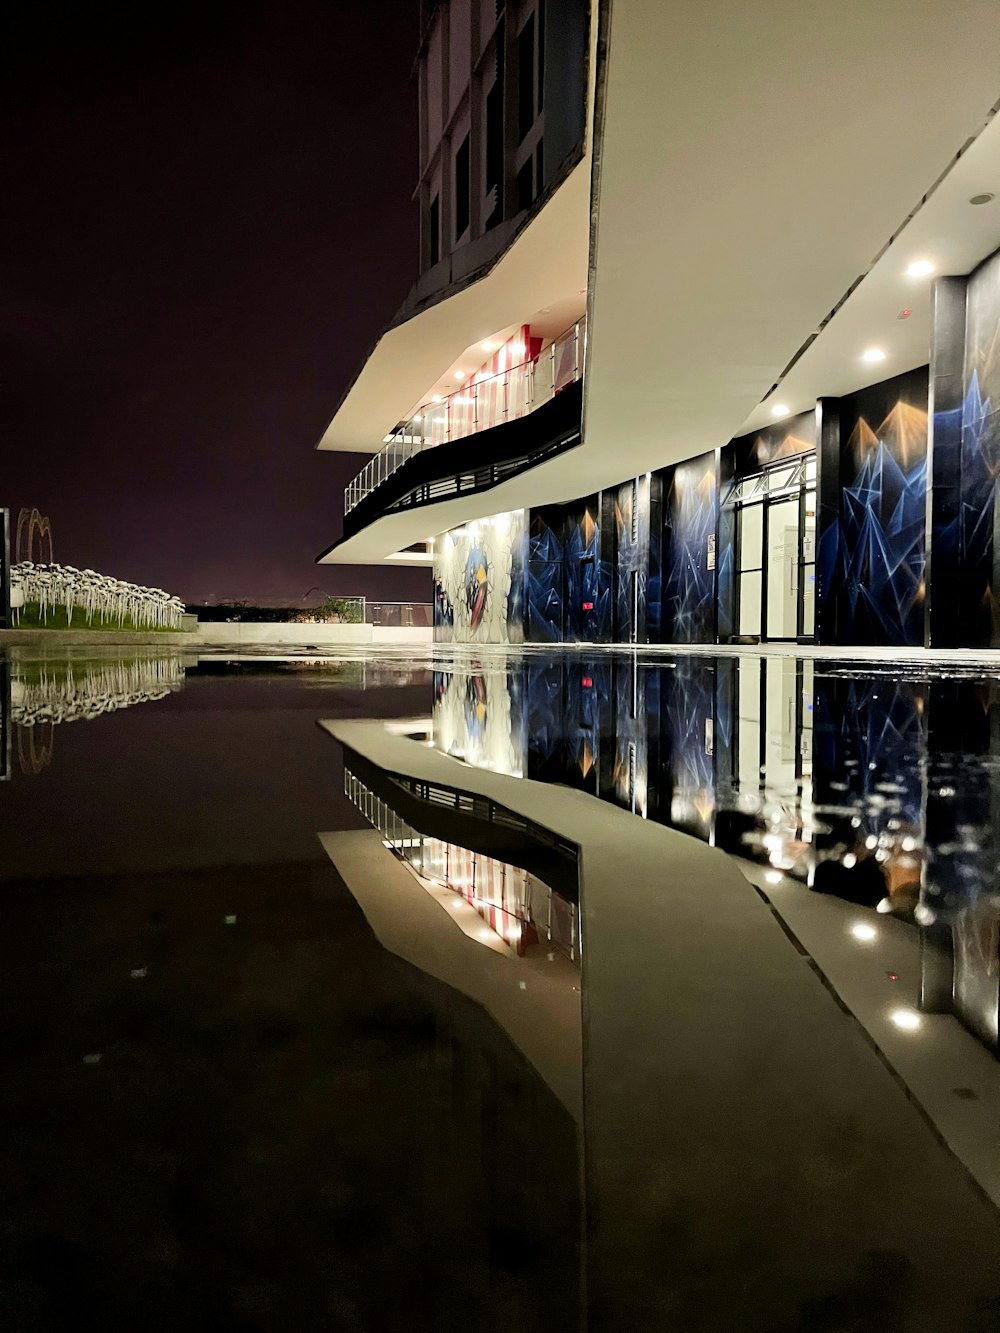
[
  {"x": 878, "y": 791},
  {"x": 47, "y": 693}
]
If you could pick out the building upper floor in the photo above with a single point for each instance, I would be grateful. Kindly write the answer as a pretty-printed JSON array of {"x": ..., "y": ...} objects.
[{"x": 716, "y": 239}]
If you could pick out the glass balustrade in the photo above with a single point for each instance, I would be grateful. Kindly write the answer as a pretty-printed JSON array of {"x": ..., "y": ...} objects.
[{"x": 476, "y": 407}]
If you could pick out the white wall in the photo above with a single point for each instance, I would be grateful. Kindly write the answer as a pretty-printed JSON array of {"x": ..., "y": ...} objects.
[{"x": 246, "y": 632}]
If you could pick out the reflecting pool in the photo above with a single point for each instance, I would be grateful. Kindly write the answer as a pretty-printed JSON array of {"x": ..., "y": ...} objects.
[{"x": 524, "y": 991}]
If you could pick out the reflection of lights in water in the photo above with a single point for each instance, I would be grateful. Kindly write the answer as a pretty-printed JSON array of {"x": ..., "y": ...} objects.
[
  {"x": 885, "y": 906},
  {"x": 861, "y": 930},
  {"x": 849, "y": 861},
  {"x": 924, "y": 915},
  {"x": 774, "y": 877},
  {"x": 908, "y": 1020}
]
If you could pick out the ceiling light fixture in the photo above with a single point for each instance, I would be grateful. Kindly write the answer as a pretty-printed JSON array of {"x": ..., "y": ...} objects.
[
  {"x": 986, "y": 198},
  {"x": 873, "y": 354},
  {"x": 920, "y": 268},
  {"x": 459, "y": 375},
  {"x": 861, "y": 930},
  {"x": 436, "y": 398},
  {"x": 487, "y": 347},
  {"x": 779, "y": 410},
  {"x": 904, "y": 314}
]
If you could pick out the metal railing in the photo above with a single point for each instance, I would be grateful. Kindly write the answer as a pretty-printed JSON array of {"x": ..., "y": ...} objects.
[
  {"x": 399, "y": 614},
  {"x": 478, "y": 406}
]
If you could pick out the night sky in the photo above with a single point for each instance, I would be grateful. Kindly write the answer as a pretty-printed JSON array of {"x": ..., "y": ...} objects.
[{"x": 206, "y": 223}]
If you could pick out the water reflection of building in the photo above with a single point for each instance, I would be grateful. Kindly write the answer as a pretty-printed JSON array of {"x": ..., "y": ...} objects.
[
  {"x": 41, "y": 694},
  {"x": 878, "y": 791},
  {"x": 513, "y": 907}
]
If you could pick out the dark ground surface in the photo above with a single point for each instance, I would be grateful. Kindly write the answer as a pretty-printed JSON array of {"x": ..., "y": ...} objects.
[{"x": 287, "y": 1126}]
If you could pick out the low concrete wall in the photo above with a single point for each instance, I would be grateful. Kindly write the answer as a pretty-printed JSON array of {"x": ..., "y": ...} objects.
[
  {"x": 299, "y": 636},
  {"x": 403, "y": 634}
]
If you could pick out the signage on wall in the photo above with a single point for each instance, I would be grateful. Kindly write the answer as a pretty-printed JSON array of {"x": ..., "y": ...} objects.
[{"x": 711, "y": 551}]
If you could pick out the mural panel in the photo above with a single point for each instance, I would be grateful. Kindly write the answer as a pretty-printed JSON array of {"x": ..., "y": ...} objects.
[
  {"x": 979, "y": 460},
  {"x": 691, "y": 521},
  {"x": 479, "y": 581},
  {"x": 881, "y": 539}
]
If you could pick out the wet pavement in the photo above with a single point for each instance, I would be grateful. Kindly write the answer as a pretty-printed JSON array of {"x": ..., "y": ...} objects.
[{"x": 396, "y": 1029}]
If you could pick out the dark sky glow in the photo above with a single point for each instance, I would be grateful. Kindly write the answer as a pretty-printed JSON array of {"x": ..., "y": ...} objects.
[{"x": 207, "y": 221}]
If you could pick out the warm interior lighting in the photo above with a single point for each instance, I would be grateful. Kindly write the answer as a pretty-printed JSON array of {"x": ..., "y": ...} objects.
[
  {"x": 920, "y": 268},
  {"x": 873, "y": 354},
  {"x": 779, "y": 410},
  {"x": 774, "y": 877},
  {"x": 861, "y": 930},
  {"x": 488, "y": 347},
  {"x": 459, "y": 375},
  {"x": 436, "y": 398},
  {"x": 907, "y": 1019}
]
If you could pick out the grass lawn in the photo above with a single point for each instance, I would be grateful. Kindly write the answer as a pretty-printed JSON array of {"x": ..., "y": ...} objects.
[{"x": 30, "y": 618}]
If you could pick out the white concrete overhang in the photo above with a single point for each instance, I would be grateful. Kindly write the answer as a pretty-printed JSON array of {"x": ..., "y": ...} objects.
[
  {"x": 739, "y": 201},
  {"x": 546, "y": 266}
]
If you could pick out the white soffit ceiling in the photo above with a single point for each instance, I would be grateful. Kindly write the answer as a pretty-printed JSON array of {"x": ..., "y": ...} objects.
[
  {"x": 755, "y": 159},
  {"x": 947, "y": 231},
  {"x": 547, "y": 264},
  {"x": 754, "y": 162}
]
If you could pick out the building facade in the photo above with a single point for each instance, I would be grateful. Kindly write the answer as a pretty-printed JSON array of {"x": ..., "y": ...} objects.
[{"x": 679, "y": 449}]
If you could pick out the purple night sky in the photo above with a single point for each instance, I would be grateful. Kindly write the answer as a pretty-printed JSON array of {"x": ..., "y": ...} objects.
[{"x": 207, "y": 221}]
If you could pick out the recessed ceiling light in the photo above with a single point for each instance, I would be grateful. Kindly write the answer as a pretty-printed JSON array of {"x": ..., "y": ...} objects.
[
  {"x": 779, "y": 410},
  {"x": 459, "y": 375},
  {"x": 907, "y": 1019},
  {"x": 985, "y": 198},
  {"x": 873, "y": 354},
  {"x": 920, "y": 268},
  {"x": 861, "y": 930},
  {"x": 436, "y": 398},
  {"x": 488, "y": 347}
]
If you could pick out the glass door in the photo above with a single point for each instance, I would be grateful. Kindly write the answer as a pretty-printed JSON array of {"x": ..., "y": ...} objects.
[
  {"x": 776, "y": 553},
  {"x": 782, "y": 564}
]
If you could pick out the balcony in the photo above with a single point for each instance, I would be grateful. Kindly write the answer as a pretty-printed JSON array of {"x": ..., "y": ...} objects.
[{"x": 545, "y": 388}]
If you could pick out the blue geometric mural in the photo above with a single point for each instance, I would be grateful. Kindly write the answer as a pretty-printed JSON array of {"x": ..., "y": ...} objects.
[
  {"x": 569, "y": 589},
  {"x": 690, "y": 527},
  {"x": 871, "y": 554}
]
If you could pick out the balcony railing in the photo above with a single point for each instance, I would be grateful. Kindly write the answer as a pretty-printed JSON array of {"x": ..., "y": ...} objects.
[{"x": 478, "y": 406}]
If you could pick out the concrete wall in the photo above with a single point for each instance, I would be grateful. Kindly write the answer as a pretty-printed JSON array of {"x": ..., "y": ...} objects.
[{"x": 236, "y": 632}]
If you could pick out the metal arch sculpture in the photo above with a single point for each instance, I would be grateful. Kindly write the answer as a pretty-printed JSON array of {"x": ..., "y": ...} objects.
[{"x": 32, "y": 524}]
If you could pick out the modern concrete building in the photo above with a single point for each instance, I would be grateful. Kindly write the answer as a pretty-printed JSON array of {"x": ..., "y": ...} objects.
[{"x": 704, "y": 343}]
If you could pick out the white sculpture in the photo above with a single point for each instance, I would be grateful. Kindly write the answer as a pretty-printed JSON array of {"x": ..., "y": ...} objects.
[{"x": 113, "y": 601}]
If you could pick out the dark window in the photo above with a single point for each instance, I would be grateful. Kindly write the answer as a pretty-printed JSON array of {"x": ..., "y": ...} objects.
[
  {"x": 541, "y": 55},
  {"x": 524, "y": 183},
  {"x": 539, "y": 168},
  {"x": 434, "y": 229},
  {"x": 526, "y": 78},
  {"x": 462, "y": 188},
  {"x": 494, "y": 151}
]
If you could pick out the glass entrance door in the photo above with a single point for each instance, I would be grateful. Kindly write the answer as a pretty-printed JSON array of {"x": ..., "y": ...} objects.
[{"x": 775, "y": 552}]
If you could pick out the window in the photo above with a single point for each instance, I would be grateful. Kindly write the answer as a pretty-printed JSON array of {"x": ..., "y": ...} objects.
[
  {"x": 434, "y": 229},
  {"x": 540, "y": 167},
  {"x": 525, "y": 194},
  {"x": 526, "y": 78},
  {"x": 541, "y": 56},
  {"x": 462, "y": 188}
]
